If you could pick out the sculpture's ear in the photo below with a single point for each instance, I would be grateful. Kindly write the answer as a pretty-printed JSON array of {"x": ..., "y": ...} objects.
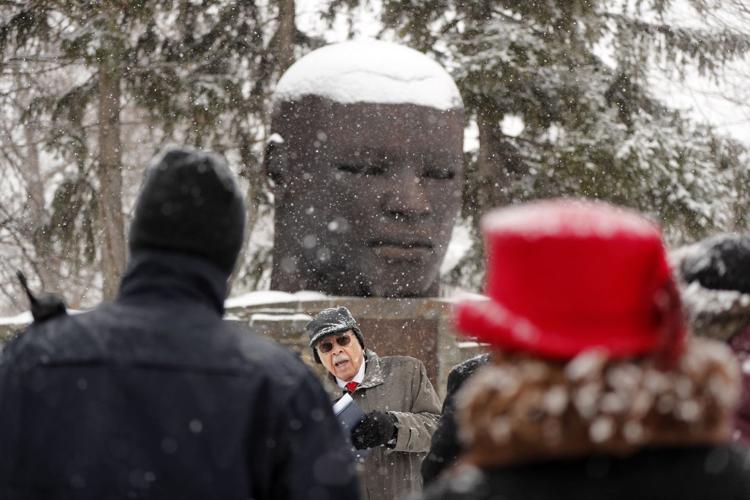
[{"x": 275, "y": 162}]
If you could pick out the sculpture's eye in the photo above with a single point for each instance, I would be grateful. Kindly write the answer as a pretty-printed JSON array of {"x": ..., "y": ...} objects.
[
  {"x": 375, "y": 170},
  {"x": 440, "y": 173},
  {"x": 362, "y": 169},
  {"x": 349, "y": 168}
]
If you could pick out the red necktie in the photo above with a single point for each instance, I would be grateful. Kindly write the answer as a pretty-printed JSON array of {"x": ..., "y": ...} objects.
[{"x": 351, "y": 386}]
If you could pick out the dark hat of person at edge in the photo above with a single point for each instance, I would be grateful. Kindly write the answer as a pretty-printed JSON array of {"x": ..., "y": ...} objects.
[
  {"x": 722, "y": 262},
  {"x": 330, "y": 322},
  {"x": 190, "y": 203}
]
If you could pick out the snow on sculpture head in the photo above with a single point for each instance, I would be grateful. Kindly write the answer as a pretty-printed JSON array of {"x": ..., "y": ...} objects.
[
  {"x": 369, "y": 71},
  {"x": 367, "y": 167}
]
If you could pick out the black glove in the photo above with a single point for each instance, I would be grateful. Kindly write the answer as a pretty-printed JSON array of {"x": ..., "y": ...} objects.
[{"x": 375, "y": 429}]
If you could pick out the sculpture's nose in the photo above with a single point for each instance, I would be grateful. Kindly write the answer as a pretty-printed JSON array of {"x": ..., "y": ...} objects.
[{"x": 407, "y": 199}]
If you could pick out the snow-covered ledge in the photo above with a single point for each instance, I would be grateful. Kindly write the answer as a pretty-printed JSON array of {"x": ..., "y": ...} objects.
[{"x": 419, "y": 327}]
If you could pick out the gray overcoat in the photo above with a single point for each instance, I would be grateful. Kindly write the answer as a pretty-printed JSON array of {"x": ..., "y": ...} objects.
[{"x": 398, "y": 385}]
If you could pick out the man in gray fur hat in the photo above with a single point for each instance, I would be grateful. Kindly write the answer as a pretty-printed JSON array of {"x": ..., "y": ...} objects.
[{"x": 401, "y": 407}]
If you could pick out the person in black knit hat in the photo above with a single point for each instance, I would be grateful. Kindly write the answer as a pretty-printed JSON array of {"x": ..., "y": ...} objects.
[
  {"x": 154, "y": 395},
  {"x": 190, "y": 203},
  {"x": 400, "y": 403}
]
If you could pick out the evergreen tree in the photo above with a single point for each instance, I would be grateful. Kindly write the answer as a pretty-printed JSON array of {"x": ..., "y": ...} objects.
[
  {"x": 590, "y": 128},
  {"x": 127, "y": 77}
]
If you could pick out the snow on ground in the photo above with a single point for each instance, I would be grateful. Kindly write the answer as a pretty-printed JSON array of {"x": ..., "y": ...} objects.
[
  {"x": 20, "y": 319},
  {"x": 370, "y": 71}
]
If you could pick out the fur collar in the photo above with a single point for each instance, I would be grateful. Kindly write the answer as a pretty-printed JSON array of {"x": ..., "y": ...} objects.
[
  {"x": 373, "y": 371},
  {"x": 718, "y": 314},
  {"x": 522, "y": 409}
]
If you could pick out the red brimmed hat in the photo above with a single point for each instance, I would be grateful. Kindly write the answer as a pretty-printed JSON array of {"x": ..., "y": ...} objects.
[{"x": 565, "y": 276}]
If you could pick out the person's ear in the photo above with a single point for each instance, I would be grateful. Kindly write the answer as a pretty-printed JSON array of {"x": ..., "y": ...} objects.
[{"x": 275, "y": 160}]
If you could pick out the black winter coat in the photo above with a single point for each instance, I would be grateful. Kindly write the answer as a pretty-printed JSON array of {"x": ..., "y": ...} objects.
[
  {"x": 694, "y": 473},
  {"x": 445, "y": 446},
  {"x": 155, "y": 396}
]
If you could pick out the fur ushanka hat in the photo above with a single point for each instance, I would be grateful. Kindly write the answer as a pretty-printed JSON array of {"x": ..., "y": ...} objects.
[{"x": 331, "y": 321}]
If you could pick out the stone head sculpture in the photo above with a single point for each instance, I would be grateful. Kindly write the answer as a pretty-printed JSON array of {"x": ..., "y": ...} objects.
[{"x": 366, "y": 163}]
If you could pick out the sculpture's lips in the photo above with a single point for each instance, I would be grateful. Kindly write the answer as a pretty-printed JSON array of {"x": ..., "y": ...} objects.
[{"x": 410, "y": 249}]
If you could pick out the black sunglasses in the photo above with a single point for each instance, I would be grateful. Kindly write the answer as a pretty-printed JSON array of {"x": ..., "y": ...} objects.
[{"x": 326, "y": 346}]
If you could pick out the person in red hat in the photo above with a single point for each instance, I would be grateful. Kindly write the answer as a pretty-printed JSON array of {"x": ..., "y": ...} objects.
[{"x": 594, "y": 389}]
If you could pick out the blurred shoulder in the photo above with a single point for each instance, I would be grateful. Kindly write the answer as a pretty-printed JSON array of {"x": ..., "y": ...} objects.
[
  {"x": 267, "y": 355},
  {"x": 42, "y": 340},
  {"x": 464, "y": 370},
  {"x": 460, "y": 483}
]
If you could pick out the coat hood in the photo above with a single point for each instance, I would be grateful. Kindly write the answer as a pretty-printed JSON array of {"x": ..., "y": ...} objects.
[{"x": 157, "y": 275}]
